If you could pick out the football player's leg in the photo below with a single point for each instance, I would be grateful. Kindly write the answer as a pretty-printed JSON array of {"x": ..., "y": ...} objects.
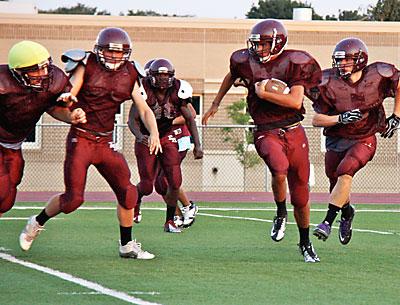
[
  {"x": 147, "y": 167},
  {"x": 170, "y": 162},
  {"x": 11, "y": 171},
  {"x": 270, "y": 147}
]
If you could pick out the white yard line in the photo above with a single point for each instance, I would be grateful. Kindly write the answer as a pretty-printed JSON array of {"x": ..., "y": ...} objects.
[
  {"x": 290, "y": 223},
  {"x": 97, "y": 293},
  {"x": 84, "y": 283},
  {"x": 207, "y": 209}
]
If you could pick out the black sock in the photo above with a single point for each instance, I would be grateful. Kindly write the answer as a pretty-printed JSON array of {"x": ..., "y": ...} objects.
[
  {"x": 126, "y": 235},
  {"x": 42, "y": 217},
  {"x": 333, "y": 210},
  {"x": 281, "y": 208},
  {"x": 170, "y": 213},
  {"x": 304, "y": 236},
  {"x": 346, "y": 211}
]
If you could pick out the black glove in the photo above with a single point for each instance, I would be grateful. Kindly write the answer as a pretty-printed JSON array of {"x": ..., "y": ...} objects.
[
  {"x": 350, "y": 116},
  {"x": 392, "y": 124}
]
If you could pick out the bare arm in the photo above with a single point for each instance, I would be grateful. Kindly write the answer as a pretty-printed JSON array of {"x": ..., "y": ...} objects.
[
  {"x": 180, "y": 120},
  {"x": 134, "y": 127},
  {"x": 292, "y": 100},
  {"x": 324, "y": 120},
  {"x": 198, "y": 152},
  {"x": 223, "y": 89},
  {"x": 148, "y": 119},
  {"x": 63, "y": 114}
]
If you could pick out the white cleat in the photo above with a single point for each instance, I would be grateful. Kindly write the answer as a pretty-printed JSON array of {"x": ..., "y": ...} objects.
[
  {"x": 29, "y": 233},
  {"x": 134, "y": 250},
  {"x": 178, "y": 220},
  {"x": 189, "y": 214}
]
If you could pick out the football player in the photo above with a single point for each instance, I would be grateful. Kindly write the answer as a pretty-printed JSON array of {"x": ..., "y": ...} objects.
[
  {"x": 279, "y": 137},
  {"x": 30, "y": 85},
  {"x": 189, "y": 208},
  {"x": 348, "y": 104},
  {"x": 102, "y": 80},
  {"x": 168, "y": 98}
]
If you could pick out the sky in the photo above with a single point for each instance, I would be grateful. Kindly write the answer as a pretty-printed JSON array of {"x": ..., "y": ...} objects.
[{"x": 199, "y": 8}]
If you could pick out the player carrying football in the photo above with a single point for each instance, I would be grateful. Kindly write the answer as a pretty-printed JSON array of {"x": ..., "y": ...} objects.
[
  {"x": 279, "y": 137},
  {"x": 348, "y": 104}
]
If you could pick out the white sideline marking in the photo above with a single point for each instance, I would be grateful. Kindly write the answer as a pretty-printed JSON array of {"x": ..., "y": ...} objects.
[
  {"x": 70, "y": 278},
  {"x": 291, "y": 223},
  {"x": 207, "y": 209},
  {"x": 23, "y": 218},
  {"x": 97, "y": 293}
]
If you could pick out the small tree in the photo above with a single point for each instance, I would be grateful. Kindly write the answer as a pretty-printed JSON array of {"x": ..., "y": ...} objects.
[{"x": 241, "y": 142}]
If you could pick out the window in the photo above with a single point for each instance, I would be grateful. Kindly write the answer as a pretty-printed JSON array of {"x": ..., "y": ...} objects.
[{"x": 34, "y": 139}]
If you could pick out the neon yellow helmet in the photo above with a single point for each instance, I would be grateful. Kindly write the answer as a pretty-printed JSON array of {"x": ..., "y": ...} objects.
[{"x": 29, "y": 56}]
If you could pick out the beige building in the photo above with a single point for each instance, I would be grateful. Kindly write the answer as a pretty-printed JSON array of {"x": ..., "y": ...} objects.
[{"x": 200, "y": 50}]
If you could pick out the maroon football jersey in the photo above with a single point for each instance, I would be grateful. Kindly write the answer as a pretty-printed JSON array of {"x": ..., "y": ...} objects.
[
  {"x": 21, "y": 107},
  {"x": 335, "y": 95},
  {"x": 166, "y": 110},
  {"x": 292, "y": 66},
  {"x": 102, "y": 93}
]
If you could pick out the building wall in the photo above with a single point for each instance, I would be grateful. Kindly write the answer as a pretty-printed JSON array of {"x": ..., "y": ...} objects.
[{"x": 200, "y": 50}]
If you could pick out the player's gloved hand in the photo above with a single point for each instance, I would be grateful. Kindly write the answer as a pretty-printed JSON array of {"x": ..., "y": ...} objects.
[
  {"x": 350, "y": 116},
  {"x": 392, "y": 124}
]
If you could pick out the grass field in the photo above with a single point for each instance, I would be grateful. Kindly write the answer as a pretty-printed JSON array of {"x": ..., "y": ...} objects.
[{"x": 226, "y": 257}]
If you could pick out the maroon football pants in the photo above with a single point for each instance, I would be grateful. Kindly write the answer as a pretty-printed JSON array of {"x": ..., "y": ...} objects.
[
  {"x": 85, "y": 151},
  {"x": 350, "y": 161},
  {"x": 286, "y": 153},
  {"x": 149, "y": 166},
  {"x": 11, "y": 171}
]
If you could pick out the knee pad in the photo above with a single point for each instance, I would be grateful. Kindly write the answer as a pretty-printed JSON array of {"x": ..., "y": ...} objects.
[
  {"x": 299, "y": 195},
  {"x": 145, "y": 187},
  {"x": 161, "y": 185},
  {"x": 130, "y": 197},
  {"x": 349, "y": 166},
  {"x": 69, "y": 203}
]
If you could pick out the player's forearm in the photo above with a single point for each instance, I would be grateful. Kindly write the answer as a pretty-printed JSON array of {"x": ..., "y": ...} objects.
[
  {"x": 323, "y": 120},
  {"x": 150, "y": 122},
  {"x": 193, "y": 131},
  {"x": 61, "y": 113},
  {"x": 223, "y": 89}
]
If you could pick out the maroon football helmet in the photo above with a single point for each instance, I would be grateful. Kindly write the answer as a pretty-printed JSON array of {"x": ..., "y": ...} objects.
[
  {"x": 113, "y": 39},
  {"x": 269, "y": 33},
  {"x": 350, "y": 48},
  {"x": 162, "y": 73},
  {"x": 147, "y": 66}
]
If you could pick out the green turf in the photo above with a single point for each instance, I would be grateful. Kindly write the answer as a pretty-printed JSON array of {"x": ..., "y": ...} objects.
[{"x": 217, "y": 261}]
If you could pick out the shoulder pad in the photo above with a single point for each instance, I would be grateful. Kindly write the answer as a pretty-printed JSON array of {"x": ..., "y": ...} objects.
[
  {"x": 139, "y": 69},
  {"x": 384, "y": 69},
  {"x": 300, "y": 57},
  {"x": 185, "y": 90},
  {"x": 72, "y": 58},
  {"x": 240, "y": 56}
]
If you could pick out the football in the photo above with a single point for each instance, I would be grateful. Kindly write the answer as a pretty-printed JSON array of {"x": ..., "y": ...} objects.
[{"x": 276, "y": 86}]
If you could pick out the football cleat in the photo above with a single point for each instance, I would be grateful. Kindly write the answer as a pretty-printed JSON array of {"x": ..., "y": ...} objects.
[
  {"x": 189, "y": 214},
  {"x": 322, "y": 231},
  {"x": 178, "y": 220},
  {"x": 29, "y": 233},
  {"x": 170, "y": 227},
  {"x": 278, "y": 228},
  {"x": 308, "y": 252},
  {"x": 345, "y": 228},
  {"x": 134, "y": 250}
]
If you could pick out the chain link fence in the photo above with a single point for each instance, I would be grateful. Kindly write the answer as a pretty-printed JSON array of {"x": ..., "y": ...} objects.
[{"x": 220, "y": 169}]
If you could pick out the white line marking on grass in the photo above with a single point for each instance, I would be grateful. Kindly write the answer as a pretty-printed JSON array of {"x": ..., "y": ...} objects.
[
  {"x": 211, "y": 209},
  {"x": 97, "y": 293},
  {"x": 291, "y": 223},
  {"x": 70, "y": 278},
  {"x": 23, "y": 218}
]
